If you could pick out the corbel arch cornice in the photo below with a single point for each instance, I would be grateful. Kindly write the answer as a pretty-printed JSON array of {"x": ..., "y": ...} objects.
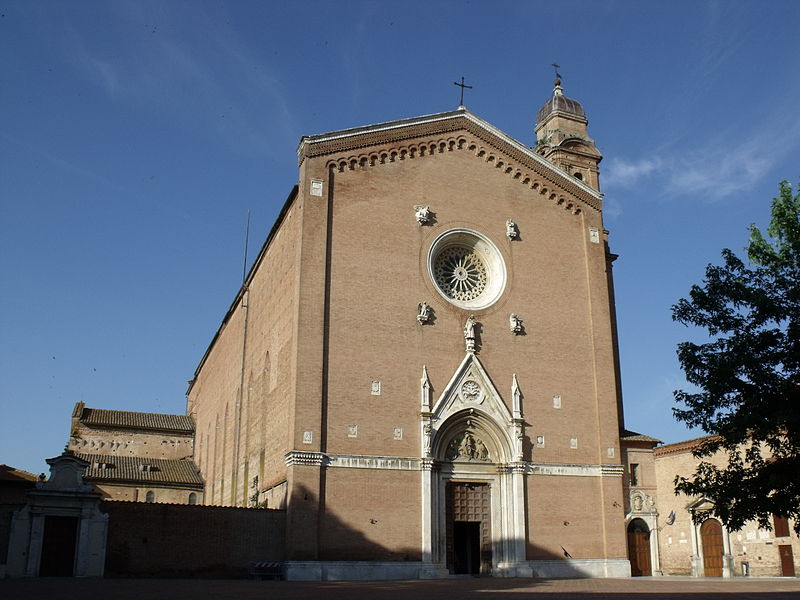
[
  {"x": 538, "y": 183},
  {"x": 421, "y": 137}
]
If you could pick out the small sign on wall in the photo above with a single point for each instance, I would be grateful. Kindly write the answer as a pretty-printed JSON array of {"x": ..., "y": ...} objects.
[{"x": 316, "y": 187}]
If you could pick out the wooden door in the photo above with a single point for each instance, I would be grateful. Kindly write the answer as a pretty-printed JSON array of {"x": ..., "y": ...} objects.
[
  {"x": 469, "y": 534},
  {"x": 787, "y": 560},
  {"x": 713, "y": 549},
  {"x": 639, "y": 548}
]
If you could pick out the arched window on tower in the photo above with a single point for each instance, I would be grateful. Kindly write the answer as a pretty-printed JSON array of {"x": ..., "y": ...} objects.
[
  {"x": 579, "y": 175},
  {"x": 192, "y": 498},
  {"x": 150, "y": 496}
]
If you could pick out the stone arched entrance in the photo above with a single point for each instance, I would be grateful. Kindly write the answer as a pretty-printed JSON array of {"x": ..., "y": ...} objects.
[
  {"x": 469, "y": 455},
  {"x": 639, "y": 548},
  {"x": 473, "y": 502},
  {"x": 711, "y": 545}
]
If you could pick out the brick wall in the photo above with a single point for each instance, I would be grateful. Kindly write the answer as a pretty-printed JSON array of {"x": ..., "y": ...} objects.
[{"x": 179, "y": 540}]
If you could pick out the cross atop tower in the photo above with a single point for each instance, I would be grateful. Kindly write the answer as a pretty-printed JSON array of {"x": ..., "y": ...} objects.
[{"x": 558, "y": 75}]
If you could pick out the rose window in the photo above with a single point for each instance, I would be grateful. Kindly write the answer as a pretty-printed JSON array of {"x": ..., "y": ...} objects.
[
  {"x": 460, "y": 273},
  {"x": 467, "y": 269}
]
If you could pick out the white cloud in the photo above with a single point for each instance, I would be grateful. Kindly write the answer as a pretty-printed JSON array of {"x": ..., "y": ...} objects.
[
  {"x": 624, "y": 173},
  {"x": 724, "y": 165},
  {"x": 720, "y": 168}
]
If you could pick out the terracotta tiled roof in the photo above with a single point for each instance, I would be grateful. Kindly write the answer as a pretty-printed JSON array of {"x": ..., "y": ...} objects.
[
  {"x": 136, "y": 420},
  {"x": 632, "y": 436},
  {"x": 110, "y": 468},
  {"x": 11, "y": 474},
  {"x": 679, "y": 447}
]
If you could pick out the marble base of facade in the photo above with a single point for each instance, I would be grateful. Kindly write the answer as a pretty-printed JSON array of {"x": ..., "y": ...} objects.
[
  {"x": 375, "y": 571},
  {"x": 581, "y": 567}
]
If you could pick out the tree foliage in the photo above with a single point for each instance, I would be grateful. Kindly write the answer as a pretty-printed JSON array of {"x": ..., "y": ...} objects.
[{"x": 748, "y": 374}]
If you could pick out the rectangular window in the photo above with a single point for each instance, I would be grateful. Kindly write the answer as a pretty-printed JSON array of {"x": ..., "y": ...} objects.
[
  {"x": 781, "y": 525},
  {"x": 634, "y": 473}
]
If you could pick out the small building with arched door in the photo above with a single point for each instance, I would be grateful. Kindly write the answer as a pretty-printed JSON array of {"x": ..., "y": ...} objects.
[
  {"x": 692, "y": 540},
  {"x": 711, "y": 546}
]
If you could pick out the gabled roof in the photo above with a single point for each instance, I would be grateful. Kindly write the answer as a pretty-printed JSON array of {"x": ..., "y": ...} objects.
[
  {"x": 121, "y": 419},
  {"x": 345, "y": 140},
  {"x": 632, "y": 436},
  {"x": 685, "y": 446},
  {"x": 108, "y": 468},
  {"x": 8, "y": 473}
]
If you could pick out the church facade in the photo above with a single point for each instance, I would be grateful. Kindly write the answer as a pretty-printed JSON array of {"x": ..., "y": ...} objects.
[{"x": 421, "y": 366}]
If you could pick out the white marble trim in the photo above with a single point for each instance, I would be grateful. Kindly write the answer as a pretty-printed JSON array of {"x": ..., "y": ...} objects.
[{"x": 406, "y": 463}]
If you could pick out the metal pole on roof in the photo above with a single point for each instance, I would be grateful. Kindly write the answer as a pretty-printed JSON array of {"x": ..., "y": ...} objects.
[{"x": 246, "y": 243}]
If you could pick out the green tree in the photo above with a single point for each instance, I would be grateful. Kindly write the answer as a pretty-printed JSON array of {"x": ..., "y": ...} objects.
[{"x": 748, "y": 374}]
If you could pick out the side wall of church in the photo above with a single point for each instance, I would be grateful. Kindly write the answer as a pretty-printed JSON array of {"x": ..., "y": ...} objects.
[
  {"x": 240, "y": 399},
  {"x": 557, "y": 283}
]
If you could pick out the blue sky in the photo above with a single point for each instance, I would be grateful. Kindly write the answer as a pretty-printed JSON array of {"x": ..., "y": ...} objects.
[{"x": 135, "y": 137}]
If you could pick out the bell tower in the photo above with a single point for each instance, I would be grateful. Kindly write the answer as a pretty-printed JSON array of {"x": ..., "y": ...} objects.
[{"x": 563, "y": 139}]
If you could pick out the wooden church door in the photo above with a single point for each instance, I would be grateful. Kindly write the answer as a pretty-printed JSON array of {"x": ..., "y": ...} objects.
[
  {"x": 469, "y": 538},
  {"x": 711, "y": 536},
  {"x": 639, "y": 548}
]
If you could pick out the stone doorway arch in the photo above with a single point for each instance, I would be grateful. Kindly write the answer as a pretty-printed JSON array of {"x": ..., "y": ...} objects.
[
  {"x": 469, "y": 452},
  {"x": 711, "y": 545}
]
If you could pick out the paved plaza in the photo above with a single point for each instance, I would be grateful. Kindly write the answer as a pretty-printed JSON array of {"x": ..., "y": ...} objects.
[{"x": 640, "y": 588}]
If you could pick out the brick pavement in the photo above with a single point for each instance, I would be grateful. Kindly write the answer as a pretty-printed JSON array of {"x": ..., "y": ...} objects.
[{"x": 641, "y": 588}]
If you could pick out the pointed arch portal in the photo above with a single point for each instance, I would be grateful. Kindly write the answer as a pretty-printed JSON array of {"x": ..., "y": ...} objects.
[{"x": 472, "y": 477}]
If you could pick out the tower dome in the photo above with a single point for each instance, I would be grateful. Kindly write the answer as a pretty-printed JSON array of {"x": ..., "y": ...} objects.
[{"x": 560, "y": 103}]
